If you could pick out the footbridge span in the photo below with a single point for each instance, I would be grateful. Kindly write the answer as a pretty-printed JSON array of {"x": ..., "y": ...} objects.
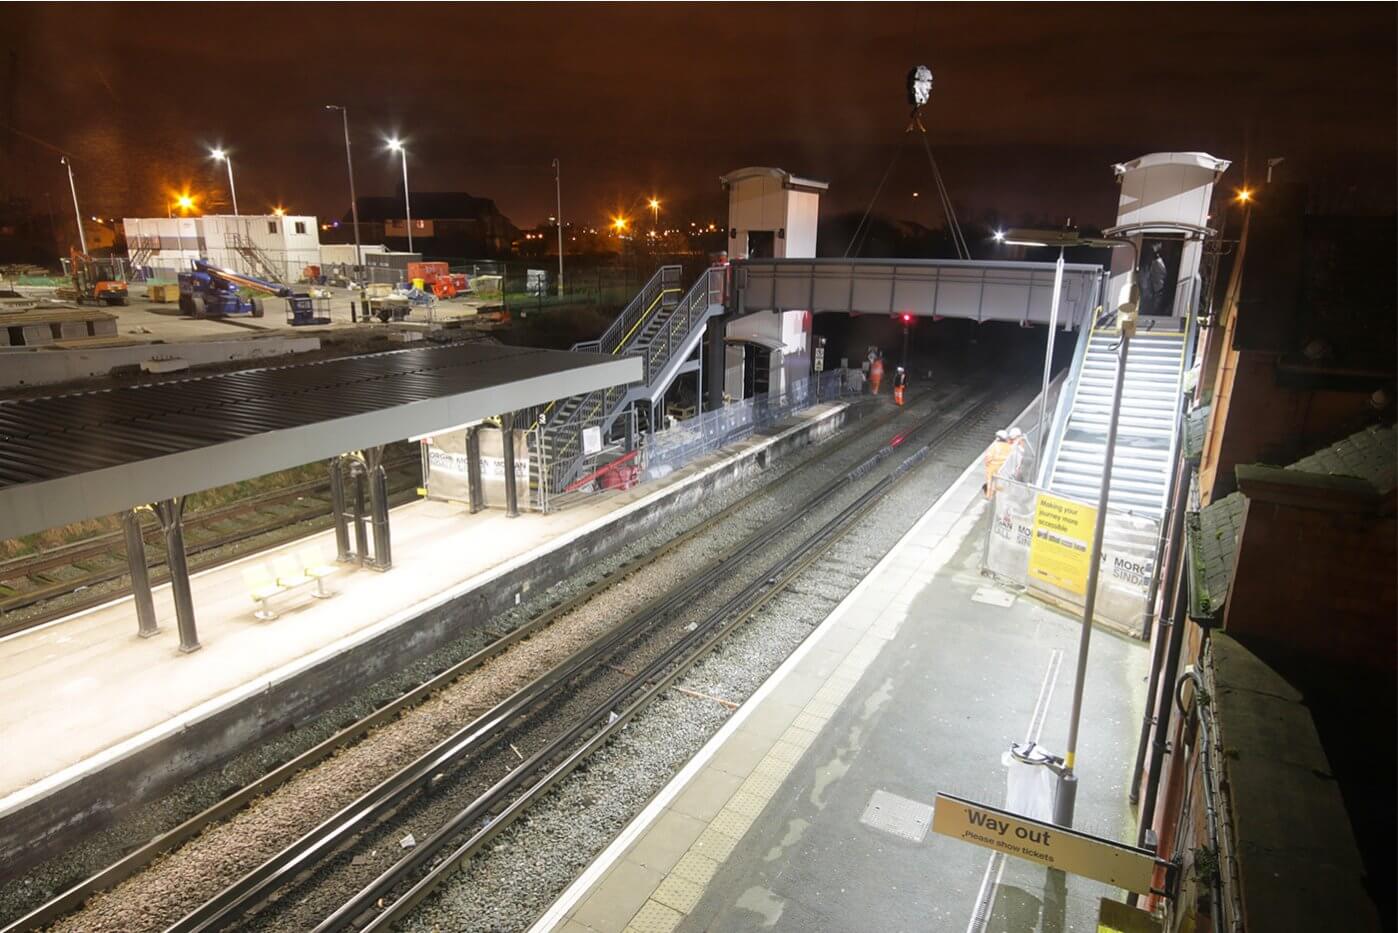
[{"x": 980, "y": 290}]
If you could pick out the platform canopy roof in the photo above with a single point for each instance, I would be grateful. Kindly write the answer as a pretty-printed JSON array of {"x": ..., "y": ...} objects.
[{"x": 68, "y": 458}]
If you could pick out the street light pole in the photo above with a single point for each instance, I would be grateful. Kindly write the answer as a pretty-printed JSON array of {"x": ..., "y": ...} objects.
[
  {"x": 1067, "y": 791},
  {"x": 221, "y": 156},
  {"x": 1041, "y": 442},
  {"x": 558, "y": 193},
  {"x": 354, "y": 201},
  {"x": 77, "y": 214},
  {"x": 398, "y": 147}
]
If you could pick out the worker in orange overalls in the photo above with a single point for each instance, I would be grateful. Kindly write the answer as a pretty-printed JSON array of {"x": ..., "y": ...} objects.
[
  {"x": 995, "y": 458},
  {"x": 900, "y": 384},
  {"x": 876, "y": 373}
]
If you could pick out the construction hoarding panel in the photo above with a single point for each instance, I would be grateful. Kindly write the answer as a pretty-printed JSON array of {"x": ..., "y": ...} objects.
[
  {"x": 447, "y": 477},
  {"x": 1061, "y": 544},
  {"x": 493, "y": 469},
  {"x": 1128, "y": 552}
]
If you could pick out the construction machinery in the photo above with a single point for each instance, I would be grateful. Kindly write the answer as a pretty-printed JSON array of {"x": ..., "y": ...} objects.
[
  {"x": 99, "y": 280},
  {"x": 208, "y": 290}
]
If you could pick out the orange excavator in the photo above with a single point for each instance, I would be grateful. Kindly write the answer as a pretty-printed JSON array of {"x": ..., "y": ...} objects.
[{"x": 101, "y": 280}]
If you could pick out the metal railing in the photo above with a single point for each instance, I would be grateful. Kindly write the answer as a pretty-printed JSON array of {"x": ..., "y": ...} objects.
[
  {"x": 667, "y": 451},
  {"x": 653, "y": 327},
  {"x": 665, "y": 283}
]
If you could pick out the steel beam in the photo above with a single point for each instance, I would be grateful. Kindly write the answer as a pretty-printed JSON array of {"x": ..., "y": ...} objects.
[
  {"x": 507, "y": 444},
  {"x": 146, "y": 623},
  {"x": 473, "y": 468},
  {"x": 337, "y": 507},
  {"x": 378, "y": 504},
  {"x": 171, "y": 515}
]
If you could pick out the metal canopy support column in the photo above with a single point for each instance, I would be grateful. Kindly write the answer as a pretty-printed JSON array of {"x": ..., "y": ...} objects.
[
  {"x": 378, "y": 504},
  {"x": 715, "y": 357},
  {"x": 147, "y": 624},
  {"x": 337, "y": 507},
  {"x": 171, "y": 515},
  {"x": 473, "y": 467},
  {"x": 507, "y": 445}
]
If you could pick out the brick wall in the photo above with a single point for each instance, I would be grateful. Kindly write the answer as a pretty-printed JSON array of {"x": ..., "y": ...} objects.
[{"x": 1315, "y": 584}]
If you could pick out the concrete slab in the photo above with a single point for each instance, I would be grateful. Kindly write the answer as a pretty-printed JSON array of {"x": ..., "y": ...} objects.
[{"x": 899, "y": 699}]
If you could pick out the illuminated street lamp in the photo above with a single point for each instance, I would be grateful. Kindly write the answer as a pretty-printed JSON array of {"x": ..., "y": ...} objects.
[
  {"x": 654, "y": 205},
  {"x": 396, "y": 145},
  {"x": 619, "y": 224},
  {"x": 219, "y": 155},
  {"x": 183, "y": 202},
  {"x": 1066, "y": 793},
  {"x": 77, "y": 214}
]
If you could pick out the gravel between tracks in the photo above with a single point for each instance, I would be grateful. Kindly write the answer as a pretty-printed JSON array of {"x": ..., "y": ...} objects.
[
  {"x": 532, "y": 861},
  {"x": 179, "y": 880}
]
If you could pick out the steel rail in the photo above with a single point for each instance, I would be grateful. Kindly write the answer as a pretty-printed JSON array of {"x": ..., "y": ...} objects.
[
  {"x": 130, "y": 864},
  {"x": 279, "y": 870},
  {"x": 677, "y": 659}
]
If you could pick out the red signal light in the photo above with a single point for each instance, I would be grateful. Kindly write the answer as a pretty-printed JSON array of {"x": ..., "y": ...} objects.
[{"x": 906, "y": 318}]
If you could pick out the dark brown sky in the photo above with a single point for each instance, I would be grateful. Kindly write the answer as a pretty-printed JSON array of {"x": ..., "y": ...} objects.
[{"x": 1031, "y": 103}]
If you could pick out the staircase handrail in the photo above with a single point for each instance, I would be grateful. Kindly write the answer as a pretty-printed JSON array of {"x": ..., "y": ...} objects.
[
  {"x": 665, "y": 281},
  {"x": 659, "y": 349},
  {"x": 1067, "y": 397}
]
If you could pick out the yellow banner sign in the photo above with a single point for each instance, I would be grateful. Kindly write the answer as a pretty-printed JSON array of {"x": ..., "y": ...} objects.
[
  {"x": 1049, "y": 845},
  {"x": 1061, "y": 549}
]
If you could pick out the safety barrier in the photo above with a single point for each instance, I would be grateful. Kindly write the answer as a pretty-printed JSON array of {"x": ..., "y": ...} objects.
[{"x": 1042, "y": 542}]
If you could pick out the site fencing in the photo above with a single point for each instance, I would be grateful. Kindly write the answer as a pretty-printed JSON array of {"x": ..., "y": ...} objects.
[
  {"x": 668, "y": 450},
  {"x": 1042, "y": 542}
]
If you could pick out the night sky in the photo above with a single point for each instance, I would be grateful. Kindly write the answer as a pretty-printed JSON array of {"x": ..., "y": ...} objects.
[{"x": 1031, "y": 105}]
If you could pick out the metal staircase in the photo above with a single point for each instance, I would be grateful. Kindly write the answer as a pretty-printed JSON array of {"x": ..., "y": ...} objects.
[
  {"x": 1146, "y": 433},
  {"x": 261, "y": 265},
  {"x": 659, "y": 326}
]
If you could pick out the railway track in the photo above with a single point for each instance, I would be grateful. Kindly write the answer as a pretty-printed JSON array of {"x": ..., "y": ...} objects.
[
  {"x": 139, "y": 858},
  {"x": 87, "y": 567},
  {"x": 476, "y": 782}
]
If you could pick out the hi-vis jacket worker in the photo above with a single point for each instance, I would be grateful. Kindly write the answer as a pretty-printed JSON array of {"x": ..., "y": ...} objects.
[
  {"x": 900, "y": 384},
  {"x": 875, "y": 374},
  {"x": 1004, "y": 458}
]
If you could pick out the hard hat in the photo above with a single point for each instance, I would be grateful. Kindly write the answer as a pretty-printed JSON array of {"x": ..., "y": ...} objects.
[
  {"x": 1002, "y": 435},
  {"x": 1016, "y": 432}
]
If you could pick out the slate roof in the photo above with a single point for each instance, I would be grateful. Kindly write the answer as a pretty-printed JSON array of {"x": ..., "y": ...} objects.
[
  {"x": 1368, "y": 455},
  {"x": 1196, "y": 423}
]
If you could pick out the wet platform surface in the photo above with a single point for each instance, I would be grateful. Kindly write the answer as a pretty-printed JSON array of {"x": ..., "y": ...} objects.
[{"x": 811, "y": 808}]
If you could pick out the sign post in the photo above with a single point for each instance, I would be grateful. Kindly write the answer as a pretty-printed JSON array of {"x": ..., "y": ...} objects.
[{"x": 1048, "y": 844}]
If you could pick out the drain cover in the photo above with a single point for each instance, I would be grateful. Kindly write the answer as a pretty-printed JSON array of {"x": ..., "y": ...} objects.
[
  {"x": 898, "y": 815},
  {"x": 993, "y": 597}
]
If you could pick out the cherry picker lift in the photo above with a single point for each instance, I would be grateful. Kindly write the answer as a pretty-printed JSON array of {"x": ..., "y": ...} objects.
[{"x": 211, "y": 291}]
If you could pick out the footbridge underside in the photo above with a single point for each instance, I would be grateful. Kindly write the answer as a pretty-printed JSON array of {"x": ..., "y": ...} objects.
[{"x": 1017, "y": 292}]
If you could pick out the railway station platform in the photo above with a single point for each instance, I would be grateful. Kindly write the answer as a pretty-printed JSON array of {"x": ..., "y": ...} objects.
[
  {"x": 811, "y": 808},
  {"x": 95, "y": 714}
]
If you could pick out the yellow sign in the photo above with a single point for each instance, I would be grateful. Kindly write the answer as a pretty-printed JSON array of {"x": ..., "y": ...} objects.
[
  {"x": 1049, "y": 845},
  {"x": 1061, "y": 548}
]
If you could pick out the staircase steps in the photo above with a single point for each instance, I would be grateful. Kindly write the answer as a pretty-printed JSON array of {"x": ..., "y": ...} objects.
[{"x": 1144, "y": 457}]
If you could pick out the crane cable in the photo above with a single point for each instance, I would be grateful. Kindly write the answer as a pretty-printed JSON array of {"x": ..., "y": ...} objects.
[{"x": 953, "y": 226}]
